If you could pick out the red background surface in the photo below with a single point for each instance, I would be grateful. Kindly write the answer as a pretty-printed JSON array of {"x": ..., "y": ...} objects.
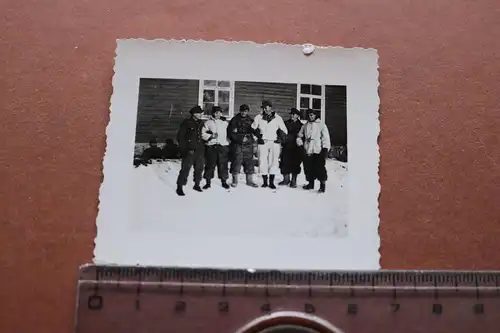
[{"x": 439, "y": 143}]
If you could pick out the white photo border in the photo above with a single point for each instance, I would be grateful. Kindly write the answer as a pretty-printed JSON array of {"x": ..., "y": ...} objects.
[{"x": 356, "y": 68}]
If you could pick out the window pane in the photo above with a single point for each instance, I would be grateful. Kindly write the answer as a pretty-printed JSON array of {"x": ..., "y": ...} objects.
[
  {"x": 225, "y": 84},
  {"x": 207, "y": 108},
  {"x": 208, "y": 95},
  {"x": 305, "y": 88},
  {"x": 209, "y": 83},
  {"x": 223, "y": 96},
  {"x": 316, "y": 90},
  {"x": 316, "y": 103},
  {"x": 304, "y": 102}
]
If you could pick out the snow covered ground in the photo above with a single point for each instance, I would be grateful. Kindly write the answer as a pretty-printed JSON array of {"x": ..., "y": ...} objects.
[{"x": 259, "y": 212}]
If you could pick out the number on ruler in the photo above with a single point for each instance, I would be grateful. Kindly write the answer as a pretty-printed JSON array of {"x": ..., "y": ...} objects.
[
  {"x": 395, "y": 307},
  {"x": 223, "y": 307},
  {"x": 180, "y": 306},
  {"x": 95, "y": 302},
  {"x": 437, "y": 308},
  {"x": 352, "y": 309},
  {"x": 266, "y": 307},
  {"x": 137, "y": 304},
  {"x": 309, "y": 308},
  {"x": 478, "y": 308}
]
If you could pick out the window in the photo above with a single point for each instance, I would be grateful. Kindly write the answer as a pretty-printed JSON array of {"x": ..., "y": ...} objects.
[
  {"x": 311, "y": 96},
  {"x": 217, "y": 92}
]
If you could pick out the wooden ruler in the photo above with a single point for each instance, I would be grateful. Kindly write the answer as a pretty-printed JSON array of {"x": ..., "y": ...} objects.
[{"x": 182, "y": 300}]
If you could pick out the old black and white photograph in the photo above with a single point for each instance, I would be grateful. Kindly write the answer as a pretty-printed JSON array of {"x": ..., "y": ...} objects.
[
  {"x": 273, "y": 145},
  {"x": 250, "y": 149}
]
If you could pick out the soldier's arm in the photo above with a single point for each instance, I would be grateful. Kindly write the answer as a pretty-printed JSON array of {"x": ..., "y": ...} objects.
[
  {"x": 232, "y": 131},
  {"x": 206, "y": 134},
  {"x": 255, "y": 123},
  {"x": 255, "y": 127},
  {"x": 181, "y": 134},
  {"x": 282, "y": 126},
  {"x": 300, "y": 142},
  {"x": 325, "y": 138}
]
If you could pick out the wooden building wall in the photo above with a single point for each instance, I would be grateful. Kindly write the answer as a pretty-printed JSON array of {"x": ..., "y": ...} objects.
[
  {"x": 336, "y": 114},
  {"x": 282, "y": 95},
  {"x": 162, "y": 105}
]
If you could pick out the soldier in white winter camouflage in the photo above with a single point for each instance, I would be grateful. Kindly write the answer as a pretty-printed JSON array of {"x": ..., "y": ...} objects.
[{"x": 315, "y": 138}]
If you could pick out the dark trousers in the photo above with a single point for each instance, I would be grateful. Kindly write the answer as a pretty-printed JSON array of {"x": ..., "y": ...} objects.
[
  {"x": 216, "y": 156},
  {"x": 192, "y": 158},
  {"x": 315, "y": 167},
  {"x": 291, "y": 158},
  {"x": 242, "y": 155}
]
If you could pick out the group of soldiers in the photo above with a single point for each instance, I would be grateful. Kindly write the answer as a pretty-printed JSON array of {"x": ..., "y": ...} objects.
[{"x": 282, "y": 146}]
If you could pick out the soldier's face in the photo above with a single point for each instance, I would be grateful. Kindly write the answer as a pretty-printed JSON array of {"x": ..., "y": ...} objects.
[
  {"x": 244, "y": 113},
  {"x": 197, "y": 115},
  {"x": 295, "y": 117}
]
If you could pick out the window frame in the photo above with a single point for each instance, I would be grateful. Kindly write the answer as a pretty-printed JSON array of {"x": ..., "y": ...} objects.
[
  {"x": 311, "y": 96},
  {"x": 216, "y": 88}
]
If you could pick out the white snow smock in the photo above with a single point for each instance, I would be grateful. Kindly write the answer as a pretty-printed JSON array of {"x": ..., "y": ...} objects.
[
  {"x": 269, "y": 129},
  {"x": 314, "y": 136},
  {"x": 213, "y": 126}
]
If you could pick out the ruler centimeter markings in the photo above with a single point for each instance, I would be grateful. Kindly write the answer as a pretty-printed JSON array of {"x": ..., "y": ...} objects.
[{"x": 161, "y": 299}]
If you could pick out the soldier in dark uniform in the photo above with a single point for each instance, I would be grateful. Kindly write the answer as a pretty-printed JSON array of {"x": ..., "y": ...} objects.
[
  {"x": 240, "y": 132},
  {"x": 191, "y": 148},
  {"x": 291, "y": 154}
]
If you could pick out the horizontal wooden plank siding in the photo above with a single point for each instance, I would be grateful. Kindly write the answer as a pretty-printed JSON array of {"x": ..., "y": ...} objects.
[
  {"x": 282, "y": 95},
  {"x": 163, "y": 104},
  {"x": 336, "y": 114}
]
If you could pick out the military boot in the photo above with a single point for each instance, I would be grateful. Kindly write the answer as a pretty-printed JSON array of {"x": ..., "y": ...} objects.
[
  {"x": 250, "y": 181},
  {"x": 286, "y": 180},
  {"x": 234, "y": 183}
]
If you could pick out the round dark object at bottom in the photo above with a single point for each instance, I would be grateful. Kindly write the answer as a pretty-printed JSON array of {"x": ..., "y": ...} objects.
[{"x": 288, "y": 329}]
